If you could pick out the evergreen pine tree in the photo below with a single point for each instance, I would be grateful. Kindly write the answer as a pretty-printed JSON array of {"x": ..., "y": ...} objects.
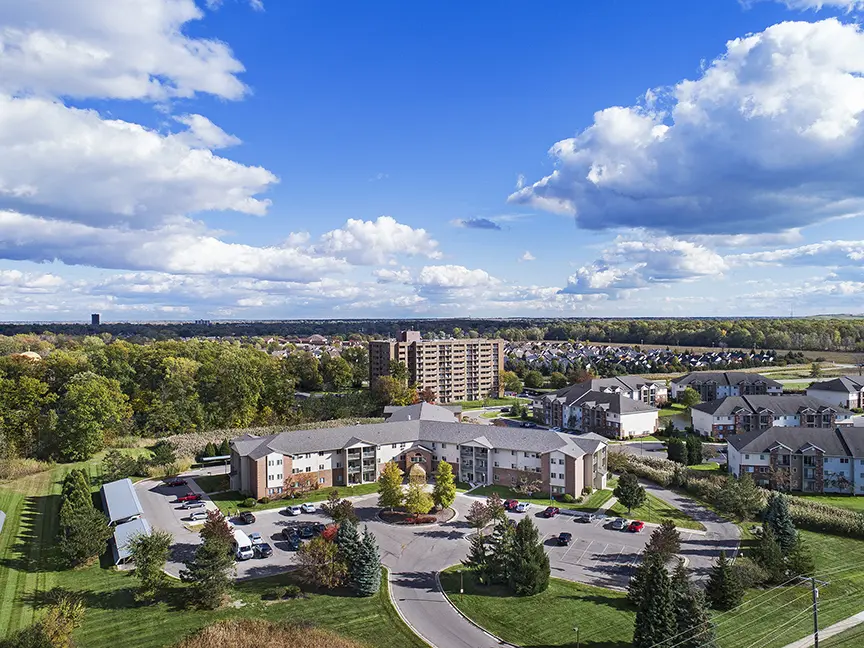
[
  {"x": 225, "y": 448},
  {"x": 209, "y": 450},
  {"x": 529, "y": 563},
  {"x": 638, "y": 579},
  {"x": 694, "y": 450},
  {"x": 477, "y": 558},
  {"x": 365, "y": 570},
  {"x": 348, "y": 540},
  {"x": 769, "y": 556},
  {"x": 500, "y": 552},
  {"x": 777, "y": 517},
  {"x": 693, "y": 627},
  {"x": 676, "y": 450},
  {"x": 208, "y": 573},
  {"x": 800, "y": 560},
  {"x": 655, "y": 619},
  {"x": 723, "y": 591},
  {"x": 665, "y": 540}
]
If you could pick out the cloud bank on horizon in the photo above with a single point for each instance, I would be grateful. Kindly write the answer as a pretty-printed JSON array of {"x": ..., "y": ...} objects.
[{"x": 150, "y": 215}]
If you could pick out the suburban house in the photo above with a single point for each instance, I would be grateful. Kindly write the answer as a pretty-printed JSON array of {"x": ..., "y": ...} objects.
[
  {"x": 712, "y": 385},
  {"x": 620, "y": 407},
  {"x": 845, "y": 391},
  {"x": 301, "y": 460},
  {"x": 810, "y": 460},
  {"x": 736, "y": 414}
]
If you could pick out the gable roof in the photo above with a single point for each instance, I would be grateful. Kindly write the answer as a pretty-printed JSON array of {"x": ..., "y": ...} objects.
[
  {"x": 120, "y": 500},
  {"x": 725, "y": 378},
  {"x": 414, "y": 432},
  {"x": 843, "y": 384},
  {"x": 616, "y": 403},
  {"x": 837, "y": 442},
  {"x": 780, "y": 405},
  {"x": 421, "y": 412}
]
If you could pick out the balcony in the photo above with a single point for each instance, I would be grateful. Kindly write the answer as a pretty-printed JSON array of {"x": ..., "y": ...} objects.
[{"x": 353, "y": 470}]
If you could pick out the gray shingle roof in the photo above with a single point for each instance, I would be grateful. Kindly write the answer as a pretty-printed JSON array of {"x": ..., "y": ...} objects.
[
  {"x": 515, "y": 438},
  {"x": 573, "y": 393},
  {"x": 420, "y": 412},
  {"x": 125, "y": 532},
  {"x": 780, "y": 405},
  {"x": 725, "y": 378},
  {"x": 841, "y": 441},
  {"x": 842, "y": 384},
  {"x": 617, "y": 403}
]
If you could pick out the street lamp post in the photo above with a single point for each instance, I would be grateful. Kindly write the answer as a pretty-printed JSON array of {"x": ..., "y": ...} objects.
[{"x": 577, "y": 636}]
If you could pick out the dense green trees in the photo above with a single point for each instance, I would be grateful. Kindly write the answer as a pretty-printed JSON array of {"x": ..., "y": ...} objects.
[
  {"x": 149, "y": 553},
  {"x": 655, "y": 616},
  {"x": 91, "y": 408},
  {"x": 724, "y": 590},
  {"x": 208, "y": 571},
  {"x": 390, "y": 493},
  {"x": 84, "y": 530},
  {"x": 444, "y": 491}
]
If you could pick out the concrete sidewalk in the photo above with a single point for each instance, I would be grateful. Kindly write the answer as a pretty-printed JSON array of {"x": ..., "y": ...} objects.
[{"x": 830, "y": 631}]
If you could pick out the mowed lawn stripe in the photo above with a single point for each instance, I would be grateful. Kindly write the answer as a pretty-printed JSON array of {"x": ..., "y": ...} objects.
[{"x": 11, "y": 503}]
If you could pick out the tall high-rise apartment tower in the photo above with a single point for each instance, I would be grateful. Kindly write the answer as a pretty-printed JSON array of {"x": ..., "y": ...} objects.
[{"x": 455, "y": 370}]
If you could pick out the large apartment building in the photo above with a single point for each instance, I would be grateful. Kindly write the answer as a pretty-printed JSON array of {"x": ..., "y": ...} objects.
[
  {"x": 737, "y": 414},
  {"x": 845, "y": 391},
  {"x": 621, "y": 407},
  {"x": 811, "y": 460},
  {"x": 421, "y": 435},
  {"x": 456, "y": 370},
  {"x": 712, "y": 385}
]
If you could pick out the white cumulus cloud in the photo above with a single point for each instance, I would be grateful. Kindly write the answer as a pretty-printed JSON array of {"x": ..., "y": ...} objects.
[
  {"x": 767, "y": 139},
  {"x": 376, "y": 242}
]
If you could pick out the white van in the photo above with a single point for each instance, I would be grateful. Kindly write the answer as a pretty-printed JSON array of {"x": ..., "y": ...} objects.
[{"x": 242, "y": 546}]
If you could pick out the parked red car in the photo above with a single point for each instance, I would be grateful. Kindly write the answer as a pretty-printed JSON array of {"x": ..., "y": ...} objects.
[
  {"x": 551, "y": 511},
  {"x": 188, "y": 497},
  {"x": 636, "y": 526},
  {"x": 511, "y": 504},
  {"x": 175, "y": 482}
]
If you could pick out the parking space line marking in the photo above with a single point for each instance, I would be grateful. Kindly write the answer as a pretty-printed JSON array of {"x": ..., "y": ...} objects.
[
  {"x": 569, "y": 547},
  {"x": 584, "y": 552}
]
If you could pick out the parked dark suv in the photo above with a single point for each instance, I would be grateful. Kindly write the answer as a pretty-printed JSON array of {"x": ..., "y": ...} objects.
[{"x": 246, "y": 517}]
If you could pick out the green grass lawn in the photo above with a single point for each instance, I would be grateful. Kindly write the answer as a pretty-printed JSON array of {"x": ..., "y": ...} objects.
[
  {"x": 489, "y": 415},
  {"x": 844, "y": 501},
  {"x": 851, "y": 638},
  {"x": 28, "y": 569},
  {"x": 672, "y": 409},
  {"x": 656, "y": 510},
  {"x": 232, "y": 500},
  {"x": 213, "y": 483},
  {"x": 461, "y": 487},
  {"x": 490, "y": 402},
  {"x": 604, "y": 617},
  {"x": 590, "y": 503},
  {"x": 708, "y": 466}
]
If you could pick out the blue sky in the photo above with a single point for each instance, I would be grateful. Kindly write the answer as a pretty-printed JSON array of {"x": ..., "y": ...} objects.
[{"x": 174, "y": 159}]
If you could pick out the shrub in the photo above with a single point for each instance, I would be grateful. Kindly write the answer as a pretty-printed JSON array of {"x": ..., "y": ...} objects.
[
  {"x": 273, "y": 594},
  {"x": 587, "y": 490},
  {"x": 264, "y": 500},
  {"x": 249, "y": 502},
  {"x": 749, "y": 574},
  {"x": 567, "y": 498},
  {"x": 293, "y": 591},
  {"x": 421, "y": 519},
  {"x": 15, "y": 468}
]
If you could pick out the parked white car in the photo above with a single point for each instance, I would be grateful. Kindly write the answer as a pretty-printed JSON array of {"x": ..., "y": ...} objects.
[
  {"x": 198, "y": 515},
  {"x": 293, "y": 510},
  {"x": 521, "y": 507},
  {"x": 308, "y": 507},
  {"x": 256, "y": 538}
]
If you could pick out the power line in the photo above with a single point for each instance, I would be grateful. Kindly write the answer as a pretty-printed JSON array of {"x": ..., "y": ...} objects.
[
  {"x": 771, "y": 631},
  {"x": 738, "y": 629}
]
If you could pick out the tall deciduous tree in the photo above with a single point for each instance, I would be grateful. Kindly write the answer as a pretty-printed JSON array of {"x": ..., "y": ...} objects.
[
  {"x": 740, "y": 497},
  {"x": 689, "y": 397},
  {"x": 339, "y": 509},
  {"x": 92, "y": 407},
  {"x": 417, "y": 500},
  {"x": 529, "y": 564},
  {"x": 320, "y": 563},
  {"x": 495, "y": 508},
  {"x": 445, "y": 485},
  {"x": 390, "y": 493},
  {"x": 149, "y": 553},
  {"x": 510, "y": 381},
  {"x": 478, "y": 515},
  {"x": 534, "y": 379},
  {"x": 629, "y": 492}
]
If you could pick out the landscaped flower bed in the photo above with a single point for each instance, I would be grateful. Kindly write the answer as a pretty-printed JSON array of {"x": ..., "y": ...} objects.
[{"x": 403, "y": 517}]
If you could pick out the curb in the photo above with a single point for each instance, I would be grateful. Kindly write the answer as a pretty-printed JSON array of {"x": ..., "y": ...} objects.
[
  {"x": 402, "y": 616},
  {"x": 500, "y": 641}
]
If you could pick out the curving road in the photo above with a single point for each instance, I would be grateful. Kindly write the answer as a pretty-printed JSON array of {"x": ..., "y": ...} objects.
[{"x": 598, "y": 555}]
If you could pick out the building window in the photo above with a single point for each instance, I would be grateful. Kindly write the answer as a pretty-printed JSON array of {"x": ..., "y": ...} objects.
[
  {"x": 416, "y": 459},
  {"x": 308, "y": 468},
  {"x": 278, "y": 462},
  {"x": 321, "y": 453},
  {"x": 512, "y": 480},
  {"x": 513, "y": 466},
  {"x": 746, "y": 456},
  {"x": 443, "y": 445},
  {"x": 434, "y": 457},
  {"x": 443, "y": 458},
  {"x": 320, "y": 480},
  {"x": 513, "y": 453},
  {"x": 844, "y": 461},
  {"x": 294, "y": 471},
  {"x": 495, "y": 464},
  {"x": 338, "y": 464},
  {"x": 339, "y": 478},
  {"x": 762, "y": 457},
  {"x": 393, "y": 446},
  {"x": 434, "y": 447},
  {"x": 494, "y": 450},
  {"x": 320, "y": 466},
  {"x": 496, "y": 478}
]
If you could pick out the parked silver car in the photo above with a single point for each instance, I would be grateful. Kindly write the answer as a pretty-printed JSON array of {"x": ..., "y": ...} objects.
[{"x": 619, "y": 524}]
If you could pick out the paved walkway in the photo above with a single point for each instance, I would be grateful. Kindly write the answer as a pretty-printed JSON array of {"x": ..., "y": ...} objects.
[{"x": 830, "y": 631}]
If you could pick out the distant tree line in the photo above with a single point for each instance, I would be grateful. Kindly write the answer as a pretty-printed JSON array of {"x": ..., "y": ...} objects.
[
  {"x": 805, "y": 334},
  {"x": 87, "y": 391}
]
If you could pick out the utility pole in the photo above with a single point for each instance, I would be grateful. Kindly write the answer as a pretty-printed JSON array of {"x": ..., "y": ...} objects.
[{"x": 815, "y": 589}]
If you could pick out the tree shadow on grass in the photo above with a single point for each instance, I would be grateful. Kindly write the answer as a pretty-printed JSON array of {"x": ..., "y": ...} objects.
[
  {"x": 582, "y": 644},
  {"x": 615, "y": 602},
  {"x": 36, "y": 547}
]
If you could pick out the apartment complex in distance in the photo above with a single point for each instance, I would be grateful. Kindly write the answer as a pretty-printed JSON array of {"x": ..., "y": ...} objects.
[
  {"x": 712, "y": 385},
  {"x": 456, "y": 370},
  {"x": 421, "y": 435},
  {"x": 845, "y": 391},
  {"x": 810, "y": 460}
]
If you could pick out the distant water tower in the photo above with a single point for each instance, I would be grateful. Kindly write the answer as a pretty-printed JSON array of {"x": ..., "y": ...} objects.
[{"x": 94, "y": 319}]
